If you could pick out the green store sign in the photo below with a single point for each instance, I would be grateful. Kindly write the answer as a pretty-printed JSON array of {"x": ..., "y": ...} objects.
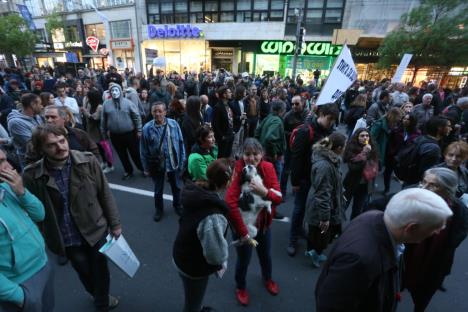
[{"x": 309, "y": 48}]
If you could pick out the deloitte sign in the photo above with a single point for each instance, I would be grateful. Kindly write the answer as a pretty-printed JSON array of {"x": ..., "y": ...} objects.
[
  {"x": 309, "y": 48},
  {"x": 173, "y": 31}
]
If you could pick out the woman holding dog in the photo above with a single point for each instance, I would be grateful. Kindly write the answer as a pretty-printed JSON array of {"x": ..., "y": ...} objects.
[
  {"x": 252, "y": 154},
  {"x": 201, "y": 248}
]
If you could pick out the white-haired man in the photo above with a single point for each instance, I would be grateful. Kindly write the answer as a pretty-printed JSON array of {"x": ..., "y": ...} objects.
[
  {"x": 362, "y": 271},
  {"x": 424, "y": 111},
  {"x": 399, "y": 97}
]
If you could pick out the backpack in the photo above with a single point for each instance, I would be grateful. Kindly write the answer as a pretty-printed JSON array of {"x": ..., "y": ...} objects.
[
  {"x": 292, "y": 138},
  {"x": 407, "y": 161}
]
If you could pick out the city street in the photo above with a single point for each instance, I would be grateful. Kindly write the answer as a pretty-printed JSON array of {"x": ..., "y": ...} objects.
[{"x": 157, "y": 287}]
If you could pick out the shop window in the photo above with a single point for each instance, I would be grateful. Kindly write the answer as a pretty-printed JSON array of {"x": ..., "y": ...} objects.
[
  {"x": 276, "y": 15},
  {"x": 154, "y": 19},
  {"x": 40, "y": 35},
  {"x": 261, "y": 5},
  {"x": 181, "y": 6},
  {"x": 244, "y": 5},
  {"x": 227, "y": 5},
  {"x": 180, "y": 18},
  {"x": 316, "y": 4},
  {"x": 244, "y": 16},
  {"x": 260, "y": 16},
  {"x": 166, "y": 7},
  {"x": 72, "y": 34},
  {"x": 153, "y": 8},
  {"x": 121, "y": 29},
  {"x": 334, "y": 3},
  {"x": 211, "y": 18},
  {"x": 333, "y": 16},
  {"x": 277, "y": 4},
  {"x": 196, "y": 18},
  {"x": 167, "y": 19},
  {"x": 211, "y": 6},
  {"x": 296, "y": 4},
  {"x": 314, "y": 17},
  {"x": 97, "y": 30},
  {"x": 196, "y": 6},
  {"x": 227, "y": 17}
]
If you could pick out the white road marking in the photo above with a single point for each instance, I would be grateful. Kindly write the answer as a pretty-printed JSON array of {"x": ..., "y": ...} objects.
[
  {"x": 136, "y": 191},
  {"x": 133, "y": 190}
]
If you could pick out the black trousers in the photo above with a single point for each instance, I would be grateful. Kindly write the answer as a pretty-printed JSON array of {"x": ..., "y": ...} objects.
[
  {"x": 93, "y": 272},
  {"x": 125, "y": 143}
]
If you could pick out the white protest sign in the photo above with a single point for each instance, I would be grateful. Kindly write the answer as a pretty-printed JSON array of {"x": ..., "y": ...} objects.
[
  {"x": 340, "y": 79},
  {"x": 402, "y": 67}
]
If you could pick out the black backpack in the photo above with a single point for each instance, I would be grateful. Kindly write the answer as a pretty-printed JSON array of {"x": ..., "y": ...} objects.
[{"x": 407, "y": 161}]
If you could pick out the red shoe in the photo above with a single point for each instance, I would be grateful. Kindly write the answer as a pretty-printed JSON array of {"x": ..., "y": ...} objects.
[
  {"x": 242, "y": 296},
  {"x": 272, "y": 287}
]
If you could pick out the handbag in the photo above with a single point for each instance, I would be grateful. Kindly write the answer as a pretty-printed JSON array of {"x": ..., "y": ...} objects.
[
  {"x": 371, "y": 169},
  {"x": 107, "y": 151},
  {"x": 157, "y": 162}
]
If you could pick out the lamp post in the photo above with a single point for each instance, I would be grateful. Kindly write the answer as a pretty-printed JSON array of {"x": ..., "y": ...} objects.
[{"x": 297, "y": 48}]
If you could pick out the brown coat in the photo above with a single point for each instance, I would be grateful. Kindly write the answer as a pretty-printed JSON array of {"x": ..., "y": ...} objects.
[{"x": 92, "y": 205}]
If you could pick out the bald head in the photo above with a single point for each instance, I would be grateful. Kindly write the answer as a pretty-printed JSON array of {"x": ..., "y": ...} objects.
[{"x": 204, "y": 99}]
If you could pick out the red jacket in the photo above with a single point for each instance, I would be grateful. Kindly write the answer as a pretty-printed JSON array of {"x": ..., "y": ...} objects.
[{"x": 267, "y": 172}]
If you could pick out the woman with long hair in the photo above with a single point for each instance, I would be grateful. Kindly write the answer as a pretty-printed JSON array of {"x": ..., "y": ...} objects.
[
  {"x": 324, "y": 206},
  {"x": 47, "y": 99},
  {"x": 355, "y": 111},
  {"x": 360, "y": 155},
  {"x": 265, "y": 105},
  {"x": 191, "y": 121},
  {"x": 145, "y": 103}
]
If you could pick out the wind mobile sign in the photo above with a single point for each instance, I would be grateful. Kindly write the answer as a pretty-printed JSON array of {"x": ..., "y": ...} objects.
[
  {"x": 309, "y": 48},
  {"x": 174, "y": 31}
]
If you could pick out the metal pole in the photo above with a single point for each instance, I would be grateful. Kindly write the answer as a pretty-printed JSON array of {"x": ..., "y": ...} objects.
[{"x": 297, "y": 47}]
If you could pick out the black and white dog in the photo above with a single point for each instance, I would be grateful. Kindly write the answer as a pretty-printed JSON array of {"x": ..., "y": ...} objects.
[{"x": 251, "y": 204}]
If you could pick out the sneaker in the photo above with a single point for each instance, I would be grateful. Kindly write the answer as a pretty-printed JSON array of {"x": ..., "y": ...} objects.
[
  {"x": 108, "y": 169},
  {"x": 272, "y": 287},
  {"x": 292, "y": 249},
  {"x": 312, "y": 254},
  {"x": 113, "y": 302},
  {"x": 242, "y": 296},
  {"x": 322, "y": 258}
]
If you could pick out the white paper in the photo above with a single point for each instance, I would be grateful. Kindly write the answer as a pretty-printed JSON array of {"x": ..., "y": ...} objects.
[
  {"x": 119, "y": 252},
  {"x": 341, "y": 78},
  {"x": 402, "y": 67}
]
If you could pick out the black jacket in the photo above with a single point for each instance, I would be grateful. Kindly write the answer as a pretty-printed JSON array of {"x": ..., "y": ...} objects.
[
  {"x": 221, "y": 127},
  {"x": 187, "y": 251},
  {"x": 291, "y": 121},
  {"x": 236, "y": 111},
  {"x": 189, "y": 129},
  {"x": 301, "y": 150},
  {"x": 361, "y": 272},
  {"x": 429, "y": 154}
]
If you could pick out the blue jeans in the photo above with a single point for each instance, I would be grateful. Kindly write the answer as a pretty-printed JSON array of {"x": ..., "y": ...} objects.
[
  {"x": 297, "y": 218},
  {"x": 278, "y": 164},
  {"x": 244, "y": 253},
  {"x": 175, "y": 180}
]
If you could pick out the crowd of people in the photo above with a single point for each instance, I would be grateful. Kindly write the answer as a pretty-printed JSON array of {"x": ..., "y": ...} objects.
[{"x": 201, "y": 131}]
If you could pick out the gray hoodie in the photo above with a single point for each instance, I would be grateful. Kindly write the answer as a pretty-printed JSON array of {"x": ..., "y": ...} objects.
[
  {"x": 21, "y": 127},
  {"x": 119, "y": 116}
]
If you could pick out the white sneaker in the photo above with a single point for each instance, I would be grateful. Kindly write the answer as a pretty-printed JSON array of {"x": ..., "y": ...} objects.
[{"x": 108, "y": 169}]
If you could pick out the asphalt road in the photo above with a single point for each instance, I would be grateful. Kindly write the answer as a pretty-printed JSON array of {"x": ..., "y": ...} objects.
[{"x": 157, "y": 287}]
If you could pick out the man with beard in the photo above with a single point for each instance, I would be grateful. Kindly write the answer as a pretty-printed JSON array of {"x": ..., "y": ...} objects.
[{"x": 75, "y": 226}]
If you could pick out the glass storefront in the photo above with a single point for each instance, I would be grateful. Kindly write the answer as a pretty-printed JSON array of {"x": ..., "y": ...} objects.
[{"x": 181, "y": 55}]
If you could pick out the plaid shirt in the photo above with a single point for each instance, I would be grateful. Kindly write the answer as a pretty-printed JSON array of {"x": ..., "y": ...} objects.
[{"x": 70, "y": 234}]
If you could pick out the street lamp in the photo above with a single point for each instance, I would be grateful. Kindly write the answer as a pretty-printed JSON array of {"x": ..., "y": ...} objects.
[{"x": 300, "y": 34}]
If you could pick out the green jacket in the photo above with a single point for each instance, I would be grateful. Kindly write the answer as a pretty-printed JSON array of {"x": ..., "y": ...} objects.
[
  {"x": 270, "y": 133},
  {"x": 92, "y": 205},
  {"x": 22, "y": 248},
  {"x": 380, "y": 134},
  {"x": 199, "y": 160}
]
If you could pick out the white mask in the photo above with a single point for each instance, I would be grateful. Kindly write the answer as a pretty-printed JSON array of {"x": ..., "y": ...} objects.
[{"x": 115, "y": 92}]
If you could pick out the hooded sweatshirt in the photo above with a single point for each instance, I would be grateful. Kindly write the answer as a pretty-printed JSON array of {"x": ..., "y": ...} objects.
[
  {"x": 21, "y": 127},
  {"x": 119, "y": 116}
]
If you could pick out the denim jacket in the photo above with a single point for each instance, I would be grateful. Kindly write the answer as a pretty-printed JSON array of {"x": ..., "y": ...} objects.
[{"x": 149, "y": 144}]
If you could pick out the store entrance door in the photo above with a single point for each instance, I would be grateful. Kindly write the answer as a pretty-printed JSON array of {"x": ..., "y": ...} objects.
[{"x": 222, "y": 63}]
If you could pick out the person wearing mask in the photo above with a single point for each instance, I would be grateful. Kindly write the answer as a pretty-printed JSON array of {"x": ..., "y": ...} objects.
[
  {"x": 430, "y": 261},
  {"x": 121, "y": 121},
  {"x": 363, "y": 268},
  {"x": 270, "y": 190},
  {"x": 63, "y": 99},
  {"x": 26, "y": 280},
  {"x": 424, "y": 111},
  {"x": 191, "y": 122},
  {"x": 22, "y": 122},
  {"x": 223, "y": 122},
  {"x": 360, "y": 155},
  {"x": 292, "y": 119},
  {"x": 202, "y": 154},
  {"x": 163, "y": 153},
  {"x": 324, "y": 208},
  {"x": 314, "y": 129},
  {"x": 201, "y": 248},
  {"x": 75, "y": 226},
  {"x": 399, "y": 97},
  {"x": 378, "y": 109},
  {"x": 455, "y": 156}
]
